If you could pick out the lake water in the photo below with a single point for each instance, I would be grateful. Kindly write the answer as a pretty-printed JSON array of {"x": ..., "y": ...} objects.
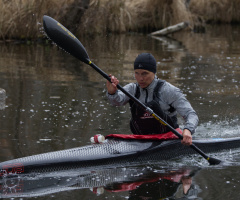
[{"x": 55, "y": 102}]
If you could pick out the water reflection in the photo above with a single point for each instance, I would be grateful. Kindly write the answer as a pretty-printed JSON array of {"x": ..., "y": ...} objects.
[
  {"x": 137, "y": 182},
  {"x": 2, "y": 99}
]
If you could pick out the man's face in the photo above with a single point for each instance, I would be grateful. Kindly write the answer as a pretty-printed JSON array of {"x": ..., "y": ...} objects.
[{"x": 144, "y": 77}]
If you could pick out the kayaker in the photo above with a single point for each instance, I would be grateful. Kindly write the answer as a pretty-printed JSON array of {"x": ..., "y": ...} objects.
[{"x": 163, "y": 98}]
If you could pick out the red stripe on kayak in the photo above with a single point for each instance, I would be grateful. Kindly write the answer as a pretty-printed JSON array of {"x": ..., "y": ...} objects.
[
  {"x": 163, "y": 136},
  {"x": 172, "y": 176}
]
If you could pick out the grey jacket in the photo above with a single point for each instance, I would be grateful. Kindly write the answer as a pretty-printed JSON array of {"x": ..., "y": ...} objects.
[{"x": 168, "y": 95}]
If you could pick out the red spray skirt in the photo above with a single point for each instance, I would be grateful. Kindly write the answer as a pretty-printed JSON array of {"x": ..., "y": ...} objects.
[{"x": 163, "y": 136}]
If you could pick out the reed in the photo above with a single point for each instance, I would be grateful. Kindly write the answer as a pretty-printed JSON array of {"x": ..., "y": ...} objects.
[
  {"x": 216, "y": 11},
  {"x": 22, "y": 19},
  {"x": 132, "y": 15},
  {"x": 105, "y": 16}
]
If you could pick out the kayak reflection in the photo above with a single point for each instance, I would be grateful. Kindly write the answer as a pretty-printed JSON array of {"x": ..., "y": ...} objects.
[
  {"x": 166, "y": 184},
  {"x": 141, "y": 182}
]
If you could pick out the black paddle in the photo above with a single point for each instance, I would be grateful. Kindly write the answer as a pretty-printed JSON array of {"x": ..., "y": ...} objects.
[{"x": 67, "y": 41}]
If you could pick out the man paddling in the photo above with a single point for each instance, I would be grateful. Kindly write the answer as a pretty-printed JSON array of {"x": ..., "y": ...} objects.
[{"x": 163, "y": 98}]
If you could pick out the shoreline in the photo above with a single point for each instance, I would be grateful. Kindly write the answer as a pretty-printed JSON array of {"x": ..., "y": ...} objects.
[{"x": 23, "y": 20}]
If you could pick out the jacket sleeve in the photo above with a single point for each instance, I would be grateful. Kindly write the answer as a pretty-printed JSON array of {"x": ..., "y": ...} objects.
[
  {"x": 119, "y": 98},
  {"x": 174, "y": 97}
]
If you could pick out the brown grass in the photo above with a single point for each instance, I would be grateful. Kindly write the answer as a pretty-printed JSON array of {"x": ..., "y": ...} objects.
[
  {"x": 216, "y": 11},
  {"x": 129, "y": 15},
  {"x": 22, "y": 18},
  {"x": 104, "y": 16}
]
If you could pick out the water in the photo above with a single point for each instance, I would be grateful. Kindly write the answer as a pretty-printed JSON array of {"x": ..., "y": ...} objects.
[{"x": 55, "y": 102}]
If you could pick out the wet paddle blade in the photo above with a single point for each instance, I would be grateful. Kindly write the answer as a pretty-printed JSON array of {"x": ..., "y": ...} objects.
[
  {"x": 64, "y": 39},
  {"x": 214, "y": 161}
]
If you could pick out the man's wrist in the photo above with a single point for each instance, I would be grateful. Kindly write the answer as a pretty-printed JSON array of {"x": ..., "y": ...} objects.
[
  {"x": 187, "y": 131},
  {"x": 111, "y": 94}
]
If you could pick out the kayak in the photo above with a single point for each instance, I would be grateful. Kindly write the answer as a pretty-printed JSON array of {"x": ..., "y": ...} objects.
[{"x": 112, "y": 152}]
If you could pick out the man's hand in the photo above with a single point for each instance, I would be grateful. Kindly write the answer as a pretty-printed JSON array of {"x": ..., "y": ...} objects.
[
  {"x": 112, "y": 87},
  {"x": 187, "y": 137},
  {"x": 186, "y": 182}
]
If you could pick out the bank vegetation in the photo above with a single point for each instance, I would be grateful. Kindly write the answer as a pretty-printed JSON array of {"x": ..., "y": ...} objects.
[{"x": 22, "y": 19}]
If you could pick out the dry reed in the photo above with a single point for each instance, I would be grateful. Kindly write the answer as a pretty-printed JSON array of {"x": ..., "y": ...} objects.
[
  {"x": 216, "y": 11},
  {"x": 23, "y": 18}
]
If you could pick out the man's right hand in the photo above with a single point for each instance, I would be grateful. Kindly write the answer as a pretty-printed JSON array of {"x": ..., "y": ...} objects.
[{"x": 112, "y": 87}]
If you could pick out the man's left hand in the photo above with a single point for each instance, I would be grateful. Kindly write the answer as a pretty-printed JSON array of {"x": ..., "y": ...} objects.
[{"x": 187, "y": 137}]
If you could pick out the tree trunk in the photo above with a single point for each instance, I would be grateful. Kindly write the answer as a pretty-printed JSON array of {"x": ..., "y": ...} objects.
[{"x": 171, "y": 29}]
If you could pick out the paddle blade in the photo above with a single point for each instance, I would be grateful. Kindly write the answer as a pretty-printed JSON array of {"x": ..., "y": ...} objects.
[
  {"x": 214, "y": 161},
  {"x": 64, "y": 39}
]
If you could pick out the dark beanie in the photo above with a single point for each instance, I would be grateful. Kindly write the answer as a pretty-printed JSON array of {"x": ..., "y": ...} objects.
[{"x": 145, "y": 61}]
